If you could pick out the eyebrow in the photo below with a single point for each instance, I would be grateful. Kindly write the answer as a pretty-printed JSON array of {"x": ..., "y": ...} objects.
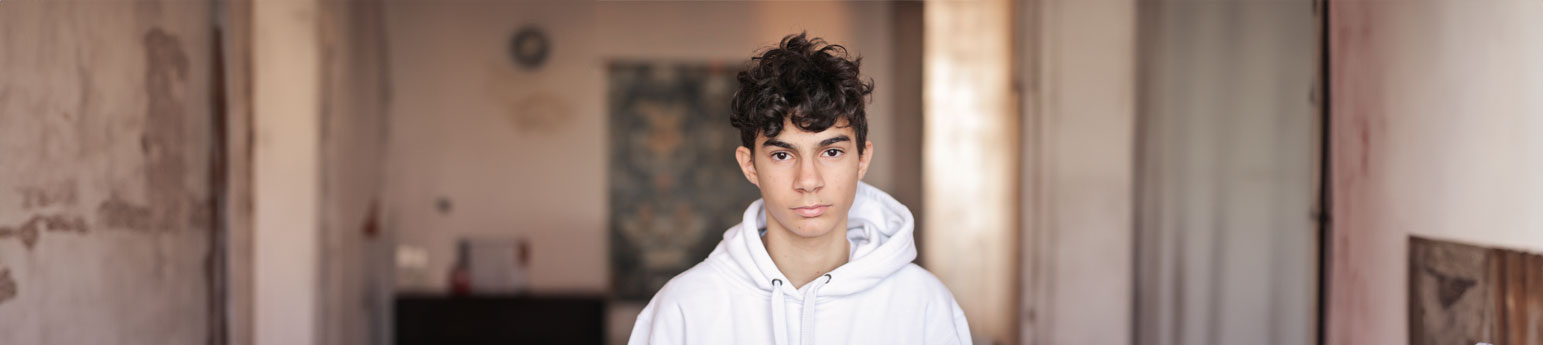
[
  {"x": 826, "y": 142},
  {"x": 837, "y": 139},
  {"x": 778, "y": 143}
]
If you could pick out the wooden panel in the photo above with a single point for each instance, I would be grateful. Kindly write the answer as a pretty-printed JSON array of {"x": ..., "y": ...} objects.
[
  {"x": 1450, "y": 299},
  {"x": 1463, "y": 294},
  {"x": 1518, "y": 279}
]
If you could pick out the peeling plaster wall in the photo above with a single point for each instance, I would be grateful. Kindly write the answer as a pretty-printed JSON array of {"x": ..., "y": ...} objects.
[
  {"x": 104, "y": 172},
  {"x": 1435, "y": 133}
]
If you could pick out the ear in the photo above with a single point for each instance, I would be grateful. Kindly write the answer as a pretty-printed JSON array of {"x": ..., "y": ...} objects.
[
  {"x": 864, "y": 159},
  {"x": 747, "y": 165}
]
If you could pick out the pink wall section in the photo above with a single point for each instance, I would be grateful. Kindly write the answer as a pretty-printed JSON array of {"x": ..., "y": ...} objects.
[{"x": 1434, "y": 129}]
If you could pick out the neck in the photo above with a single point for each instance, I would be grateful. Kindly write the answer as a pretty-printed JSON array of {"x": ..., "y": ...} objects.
[{"x": 802, "y": 259}]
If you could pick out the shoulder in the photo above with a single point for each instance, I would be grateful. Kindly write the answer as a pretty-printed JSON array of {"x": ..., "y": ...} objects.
[
  {"x": 697, "y": 286},
  {"x": 702, "y": 283},
  {"x": 920, "y": 280},
  {"x": 918, "y": 289},
  {"x": 946, "y": 322}
]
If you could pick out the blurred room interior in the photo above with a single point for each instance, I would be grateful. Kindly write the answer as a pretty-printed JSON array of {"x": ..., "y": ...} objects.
[{"x": 1155, "y": 172}]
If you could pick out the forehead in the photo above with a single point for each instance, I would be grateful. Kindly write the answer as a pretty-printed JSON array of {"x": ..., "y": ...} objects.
[{"x": 791, "y": 133}]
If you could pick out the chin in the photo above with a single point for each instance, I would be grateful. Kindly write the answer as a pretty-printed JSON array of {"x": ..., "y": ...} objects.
[{"x": 810, "y": 227}]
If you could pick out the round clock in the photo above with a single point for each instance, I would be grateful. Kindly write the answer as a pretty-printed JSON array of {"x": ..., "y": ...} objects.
[{"x": 530, "y": 47}]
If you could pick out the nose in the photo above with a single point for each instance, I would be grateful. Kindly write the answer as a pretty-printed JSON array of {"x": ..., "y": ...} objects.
[{"x": 808, "y": 179}]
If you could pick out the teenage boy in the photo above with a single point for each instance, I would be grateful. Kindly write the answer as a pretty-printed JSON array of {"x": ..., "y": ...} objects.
[{"x": 822, "y": 258}]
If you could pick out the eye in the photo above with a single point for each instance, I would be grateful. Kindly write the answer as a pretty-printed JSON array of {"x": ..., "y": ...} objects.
[
  {"x": 780, "y": 155},
  {"x": 833, "y": 152}
]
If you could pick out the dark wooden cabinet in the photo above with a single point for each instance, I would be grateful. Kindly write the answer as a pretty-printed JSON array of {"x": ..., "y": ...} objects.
[{"x": 487, "y": 320}]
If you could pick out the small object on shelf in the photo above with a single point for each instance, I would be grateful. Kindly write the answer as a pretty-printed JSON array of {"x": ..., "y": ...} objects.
[
  {"x": 499, "y": 265},
  {"x": 460, "y": 274}
]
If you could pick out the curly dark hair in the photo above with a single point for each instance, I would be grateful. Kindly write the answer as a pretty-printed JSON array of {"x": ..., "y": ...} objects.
[{"x": 814, "y": 82}]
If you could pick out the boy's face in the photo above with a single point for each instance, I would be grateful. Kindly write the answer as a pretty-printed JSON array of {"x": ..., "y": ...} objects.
[{"x": 808, "y": 180}]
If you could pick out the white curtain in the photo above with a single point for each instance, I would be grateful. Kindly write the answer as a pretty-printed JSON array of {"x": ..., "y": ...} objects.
[{"x": 1228, "y": 146}]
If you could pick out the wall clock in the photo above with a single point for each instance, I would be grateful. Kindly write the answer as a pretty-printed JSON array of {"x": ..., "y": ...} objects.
[{"x": 530, "y": 47}]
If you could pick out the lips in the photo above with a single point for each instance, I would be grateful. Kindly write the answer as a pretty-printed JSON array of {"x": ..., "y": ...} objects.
[{"x": 811, "y": 211}]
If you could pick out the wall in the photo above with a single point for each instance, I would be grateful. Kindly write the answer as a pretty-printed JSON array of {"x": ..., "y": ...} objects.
[
  {"x": 454, "y": 136},
  {"x": 105, "y": 203},
  {"x": 970, "y": 168},
  {"x": 287, "y": 106},
  {"x": 455, "y": 131},
  {"x": 1227, "y": 242},
  {"x": 305, "y": 257},
  {"x": 1434, "y": 133},
  {"x": 1079, "y": 100},
  {"x": 356, "y": 265}
]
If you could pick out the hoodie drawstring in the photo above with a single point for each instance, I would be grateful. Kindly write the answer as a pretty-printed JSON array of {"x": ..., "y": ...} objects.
[
  {"x": 779, "y": 313},
  {"x": 806, "y": 321}
]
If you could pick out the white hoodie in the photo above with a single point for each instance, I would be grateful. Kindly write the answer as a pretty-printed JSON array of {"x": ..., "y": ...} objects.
[{"x": 738, "y": 296}]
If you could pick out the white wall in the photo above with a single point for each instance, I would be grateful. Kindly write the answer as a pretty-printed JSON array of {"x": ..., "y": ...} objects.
[{"x": 1435, "y": 133}]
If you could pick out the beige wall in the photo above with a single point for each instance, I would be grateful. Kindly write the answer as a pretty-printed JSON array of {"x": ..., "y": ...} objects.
[
  {"x": 454, "y": 135},
  {"x": 456, "y": 91},
  {"x": 970, "y": 167},
  {"x": 286, "y": 167},
  {"x": 1078, "y": 182},
  {"x": 105, "y": 202},
  {"x": 1435, "y": 125}
]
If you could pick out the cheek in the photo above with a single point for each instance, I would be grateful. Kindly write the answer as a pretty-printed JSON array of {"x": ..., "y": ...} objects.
[
  {"x": 773, "y": 181},
  {"x": 841, "y": 173},
  {"x": 766, "y": 169},
  {"x": 775, "y": 187}
]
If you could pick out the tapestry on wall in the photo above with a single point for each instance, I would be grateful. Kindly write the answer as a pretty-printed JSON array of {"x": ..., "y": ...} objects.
[{"x": 674, "y": 184}]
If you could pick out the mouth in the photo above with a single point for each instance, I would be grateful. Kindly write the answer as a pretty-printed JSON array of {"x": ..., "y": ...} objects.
[{"x": 811, "y": 211}]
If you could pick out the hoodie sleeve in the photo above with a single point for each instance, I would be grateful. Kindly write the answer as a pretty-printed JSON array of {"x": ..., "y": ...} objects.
[
  {"x": 961, "y": 327},
  {"x": 659, "y": 323},
  {"x": 946, "y": 323}
]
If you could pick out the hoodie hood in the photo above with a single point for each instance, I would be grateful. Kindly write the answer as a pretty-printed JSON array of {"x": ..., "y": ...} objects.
[
  {"x": 738, "y": 296},
  {"x": 879, "y": 229}
]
